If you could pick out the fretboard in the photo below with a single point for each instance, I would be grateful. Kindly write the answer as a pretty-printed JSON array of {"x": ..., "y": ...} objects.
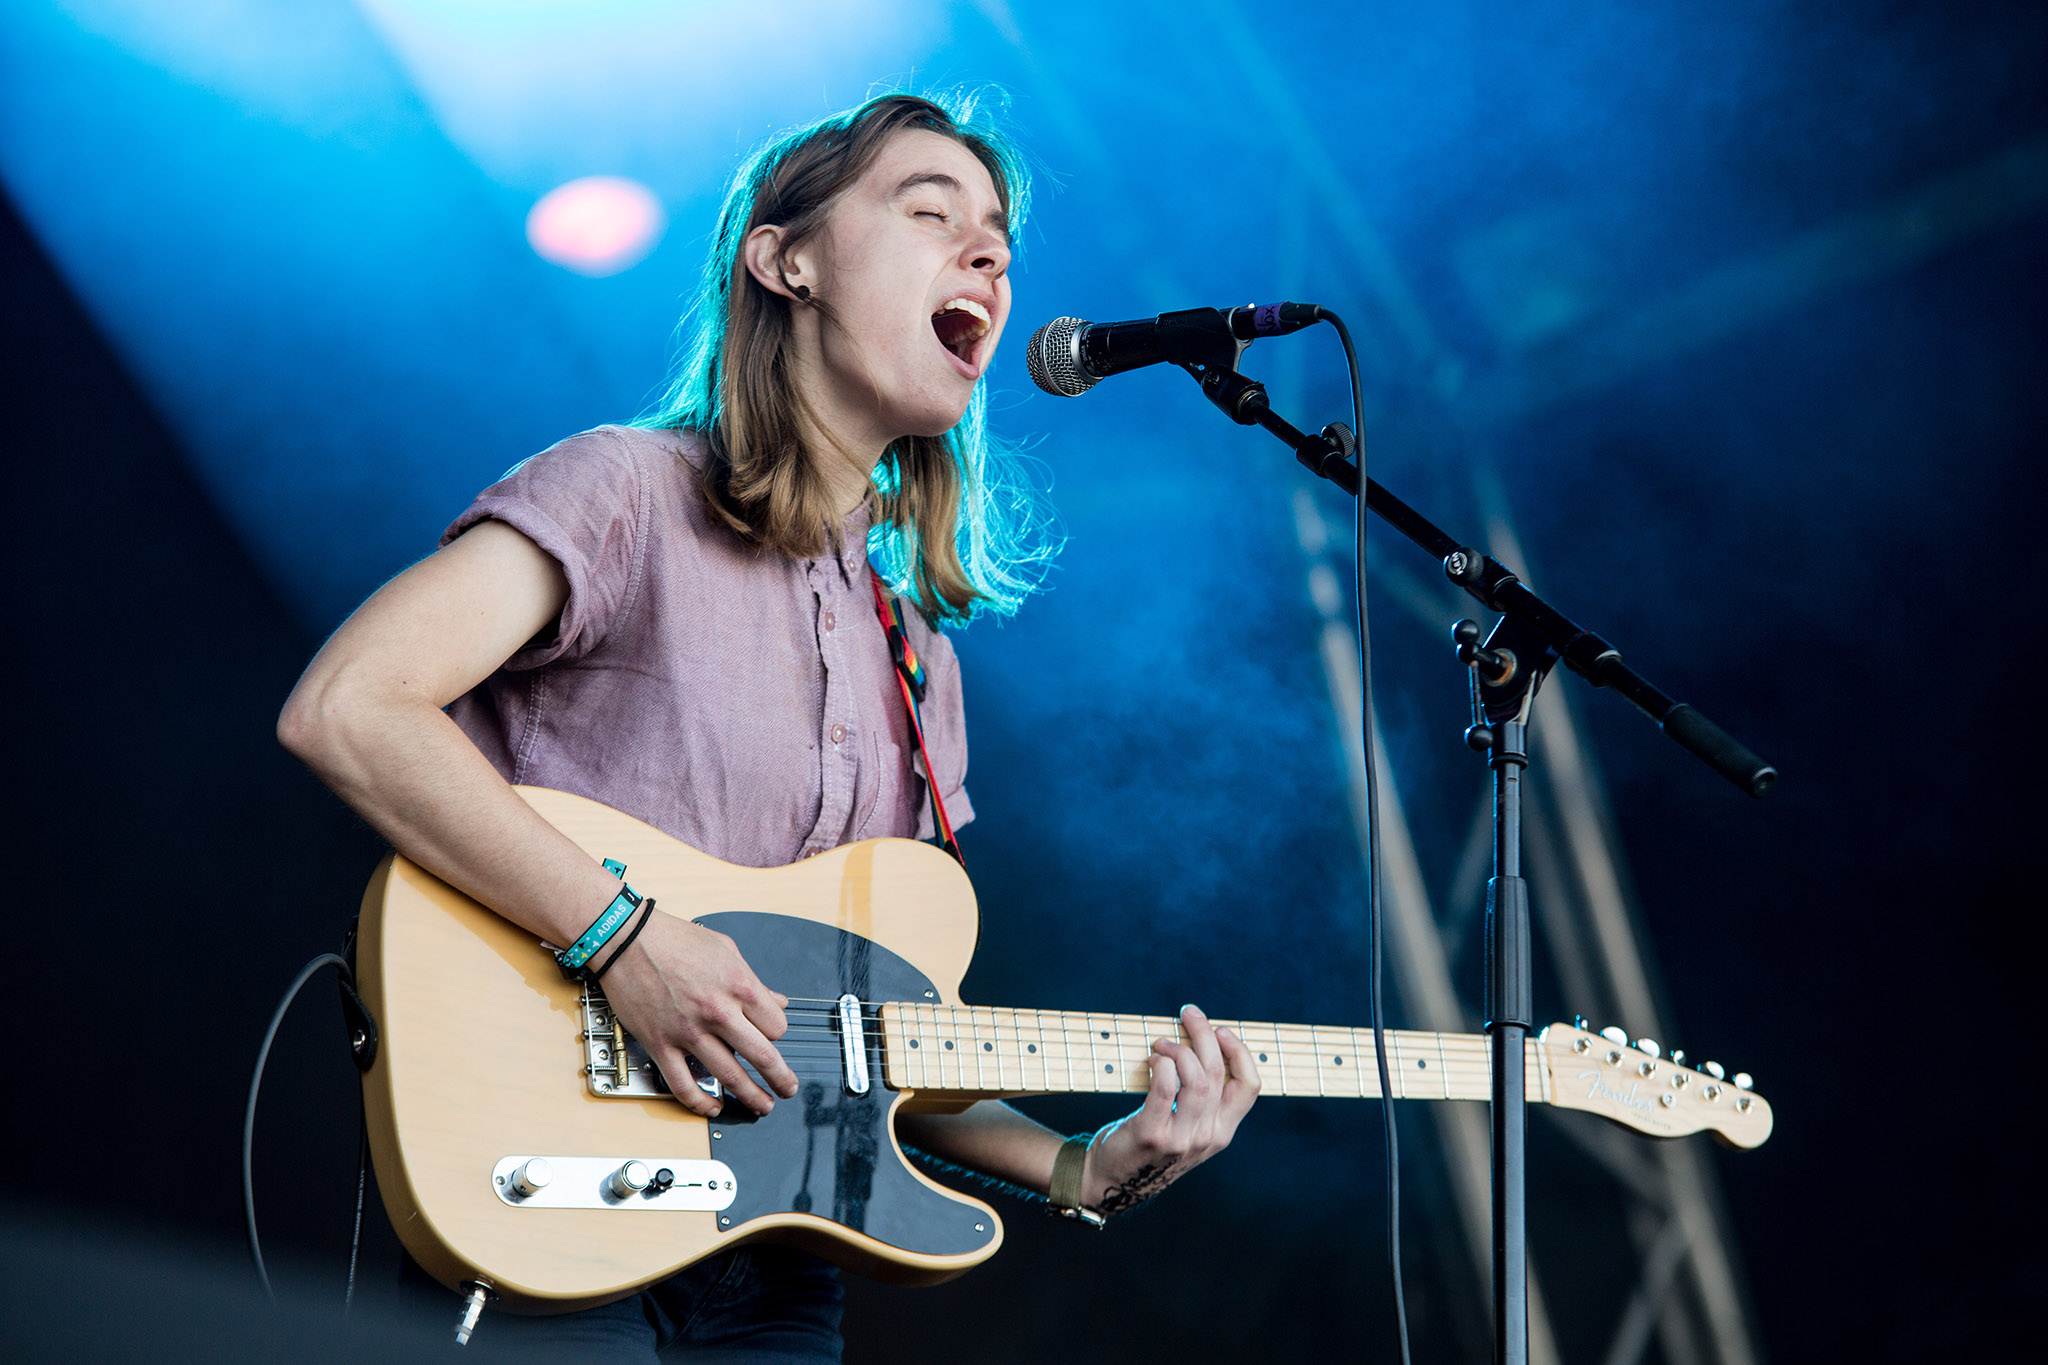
[{"x": 995, "y": 1051}]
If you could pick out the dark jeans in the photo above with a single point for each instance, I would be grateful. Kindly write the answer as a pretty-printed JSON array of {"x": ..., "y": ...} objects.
[{"x": 751, "y": 1306}]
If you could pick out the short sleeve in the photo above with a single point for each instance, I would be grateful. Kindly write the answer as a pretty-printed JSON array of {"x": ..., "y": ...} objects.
[
  {"x": 945, "y": 728},
  {"x": 583, "y": 501}
]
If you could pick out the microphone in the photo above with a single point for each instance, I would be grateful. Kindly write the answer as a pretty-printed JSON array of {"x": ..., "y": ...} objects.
[{"x": 1067, "y": 357}]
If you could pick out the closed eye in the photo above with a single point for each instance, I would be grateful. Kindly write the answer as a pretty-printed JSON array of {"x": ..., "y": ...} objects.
[{"x": 933, "y": 213}]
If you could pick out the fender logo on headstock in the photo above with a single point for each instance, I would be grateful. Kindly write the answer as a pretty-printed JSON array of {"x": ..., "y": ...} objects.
[{"x": 1601, "y": 1090}]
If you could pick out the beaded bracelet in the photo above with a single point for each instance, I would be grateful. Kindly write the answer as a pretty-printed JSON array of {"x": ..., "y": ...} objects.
[{"x": 573, "y": 958}]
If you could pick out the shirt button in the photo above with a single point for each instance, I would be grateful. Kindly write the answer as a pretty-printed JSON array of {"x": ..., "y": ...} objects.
[
  {"x": 838, "y": 734},
  {"x": 830, "y": 620}
]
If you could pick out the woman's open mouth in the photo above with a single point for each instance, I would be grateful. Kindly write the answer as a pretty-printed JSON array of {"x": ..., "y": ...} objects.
[{"x": 960, "y": 325}]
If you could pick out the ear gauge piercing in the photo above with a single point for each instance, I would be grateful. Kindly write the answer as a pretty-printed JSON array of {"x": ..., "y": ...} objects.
[{"x": 803, "y": 293}]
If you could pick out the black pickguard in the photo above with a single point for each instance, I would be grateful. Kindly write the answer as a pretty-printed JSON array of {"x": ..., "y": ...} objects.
[{"x": 828, "y": 1152}]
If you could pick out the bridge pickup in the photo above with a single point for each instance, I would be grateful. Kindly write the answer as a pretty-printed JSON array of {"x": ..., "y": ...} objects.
[{"x": 853, "y": 1044}]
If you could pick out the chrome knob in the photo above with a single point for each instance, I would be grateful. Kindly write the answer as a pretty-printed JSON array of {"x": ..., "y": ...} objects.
[
  {"x": 1743, "y": 1081},
  {"x": 1714, "y": 1069},
  {"x": 1648, "y": 1046},
  {"x": 532, "y": 1177},
  {"x": 1615, "y": 1035},
  {"x": 630, "y": 1179}
]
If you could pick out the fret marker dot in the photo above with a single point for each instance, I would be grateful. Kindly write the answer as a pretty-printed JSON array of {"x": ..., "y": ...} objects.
[
  {"x": 1031, "y": 1047},
  {"x": 988, "y": 1047},
  {"x": 949, "y": 1045},
  {"x": 1105, "y": 1033},
  {"x": 1421, "y": 1064},
  {"x": 1262, "y": 1056},
  {"x": 1338, "y": 1060},
  {"x": 913, "y": 1042},
  {"x": 1107, "y": 1067}
]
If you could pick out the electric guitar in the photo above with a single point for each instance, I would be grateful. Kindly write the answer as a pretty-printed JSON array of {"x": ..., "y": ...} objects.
[{"x": 522, "y": 1140}]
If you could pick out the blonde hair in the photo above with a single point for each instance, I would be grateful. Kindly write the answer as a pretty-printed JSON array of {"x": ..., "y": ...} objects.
[{"x": 954, "y": 528}]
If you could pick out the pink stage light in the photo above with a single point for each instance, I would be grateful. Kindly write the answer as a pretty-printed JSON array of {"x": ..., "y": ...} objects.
[{"x": 598, "y": 225}]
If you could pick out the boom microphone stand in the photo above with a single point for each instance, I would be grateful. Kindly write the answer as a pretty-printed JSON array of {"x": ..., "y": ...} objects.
[{"x": 1530, "y": 638}]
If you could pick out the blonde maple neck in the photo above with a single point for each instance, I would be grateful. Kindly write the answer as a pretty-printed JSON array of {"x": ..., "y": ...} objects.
[{"x": 996, "y": 1051}]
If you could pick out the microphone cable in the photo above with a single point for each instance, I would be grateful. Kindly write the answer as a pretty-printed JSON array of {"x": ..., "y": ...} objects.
[{"x": 1372, "y": 846}]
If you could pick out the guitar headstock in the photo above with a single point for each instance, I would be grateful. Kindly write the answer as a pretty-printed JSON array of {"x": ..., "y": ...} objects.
[{"x": 1633, "y": 1084}]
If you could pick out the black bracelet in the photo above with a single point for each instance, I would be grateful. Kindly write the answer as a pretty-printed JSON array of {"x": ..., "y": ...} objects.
[{"x": 646, "y": 912}]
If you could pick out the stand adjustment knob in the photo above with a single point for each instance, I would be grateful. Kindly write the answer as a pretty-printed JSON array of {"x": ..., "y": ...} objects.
[
  {"x": 531, "y": 1178},
  {"x": 630, "y": 1179}
]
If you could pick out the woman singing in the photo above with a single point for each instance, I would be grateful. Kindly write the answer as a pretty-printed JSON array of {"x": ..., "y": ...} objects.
[{"x": 677, "y": 619}]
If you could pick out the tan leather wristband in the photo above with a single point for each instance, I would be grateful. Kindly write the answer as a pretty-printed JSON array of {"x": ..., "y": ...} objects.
[{"x": 1068, "y": 1167}]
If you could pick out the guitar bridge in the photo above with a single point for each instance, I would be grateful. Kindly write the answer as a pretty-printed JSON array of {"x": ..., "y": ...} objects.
[{"x": 616, "y": 1066}]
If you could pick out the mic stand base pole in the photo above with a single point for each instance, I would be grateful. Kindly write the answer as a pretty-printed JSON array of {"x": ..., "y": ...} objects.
[{"x": 1510, "y": 1015}]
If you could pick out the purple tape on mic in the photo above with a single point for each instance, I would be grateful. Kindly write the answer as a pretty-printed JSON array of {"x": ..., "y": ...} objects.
[{"x": 1266, "y": 320}]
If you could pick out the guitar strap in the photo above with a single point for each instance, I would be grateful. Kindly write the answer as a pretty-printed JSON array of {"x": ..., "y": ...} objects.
[{"x": 910, "y": 677}]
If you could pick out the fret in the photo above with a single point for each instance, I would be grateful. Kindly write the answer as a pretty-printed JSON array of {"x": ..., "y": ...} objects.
[
  {"x": 1034, "y": 1051},
  {"x": 1444, "y": 1065},
  {"x": 977, "y": 1047},
  {"x": 1397, "y": 1079}
]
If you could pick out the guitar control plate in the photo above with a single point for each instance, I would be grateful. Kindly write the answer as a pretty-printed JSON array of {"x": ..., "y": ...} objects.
[{"x": 585, "y": 1182}]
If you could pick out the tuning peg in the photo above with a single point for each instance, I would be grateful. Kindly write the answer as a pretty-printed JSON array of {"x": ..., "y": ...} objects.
[
  {"x": 1648, "y": 1046},
  {"x": 1614, "y": 1035},
  {"x": 1714, "y": 1069},
  {"x": 1678, "y": 1056},
  {"x": 1580, "y": 1023},
  {"x": 1743, "y": 1080}
]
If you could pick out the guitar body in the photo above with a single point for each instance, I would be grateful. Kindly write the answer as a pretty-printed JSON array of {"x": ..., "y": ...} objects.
[{"x": 482, "y": 1057}]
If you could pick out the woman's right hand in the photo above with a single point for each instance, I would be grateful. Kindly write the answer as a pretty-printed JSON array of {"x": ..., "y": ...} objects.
[{"x": 683, "y": 989}]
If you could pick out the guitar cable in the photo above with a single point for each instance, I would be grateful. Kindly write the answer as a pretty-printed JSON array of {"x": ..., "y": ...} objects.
[
  {"x": 1372, "y": 847},
  {"x": 306, "y": 973}
]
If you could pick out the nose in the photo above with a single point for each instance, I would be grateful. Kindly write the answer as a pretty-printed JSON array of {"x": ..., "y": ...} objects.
[{"x": 988, "y": 253}]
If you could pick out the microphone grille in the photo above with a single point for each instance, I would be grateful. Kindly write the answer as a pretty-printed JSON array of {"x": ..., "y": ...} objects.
[{"x": 1054, "y": 358}]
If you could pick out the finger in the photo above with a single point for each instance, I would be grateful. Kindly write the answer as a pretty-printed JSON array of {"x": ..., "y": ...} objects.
[
  {"x": 715, "y": 1057},
  {"x": 1199, "y": 1085},
  {"x": 1243, "y": 1068},
  {"x": 675, "y": 1069},
  {"x": 765, "y": 1010},
  {"x": 1156, "y": 1114},
  {"x": 1202, "y": 1038},
  {"x": 744, "y": 1039},
  {"x": 1243, "y": 1086}
]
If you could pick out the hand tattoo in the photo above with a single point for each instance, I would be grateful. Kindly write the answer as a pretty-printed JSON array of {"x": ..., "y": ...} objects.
[{"x": 1149, "y": 1181}]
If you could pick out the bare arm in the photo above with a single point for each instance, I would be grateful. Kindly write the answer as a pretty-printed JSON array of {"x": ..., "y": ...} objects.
[
  {"x": 367, "y": 718},
  {"x": 1201, "y": 1090}
]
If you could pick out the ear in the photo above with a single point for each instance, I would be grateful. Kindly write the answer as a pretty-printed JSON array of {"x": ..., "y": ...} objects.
[{"x": 771, "y": 269}]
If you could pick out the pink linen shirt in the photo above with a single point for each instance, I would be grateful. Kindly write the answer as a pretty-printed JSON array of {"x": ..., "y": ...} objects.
[{"x": 735, "y": 698}]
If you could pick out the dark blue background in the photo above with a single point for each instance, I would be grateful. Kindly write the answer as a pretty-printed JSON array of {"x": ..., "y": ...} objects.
[{"x": 1741, "y": 307}]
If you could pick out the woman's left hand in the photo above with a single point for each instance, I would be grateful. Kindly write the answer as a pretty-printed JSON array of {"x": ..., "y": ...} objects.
[{"x": 1200, "y": 1090}]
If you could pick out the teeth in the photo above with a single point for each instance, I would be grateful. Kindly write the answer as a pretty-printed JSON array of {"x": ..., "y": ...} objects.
[{"x": 968, "y": 306}]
